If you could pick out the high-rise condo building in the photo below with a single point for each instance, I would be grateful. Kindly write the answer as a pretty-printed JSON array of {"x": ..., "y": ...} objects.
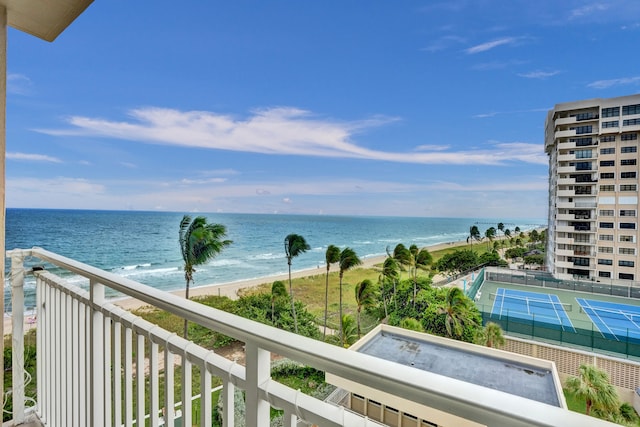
[{"x": 593, "y": 189}]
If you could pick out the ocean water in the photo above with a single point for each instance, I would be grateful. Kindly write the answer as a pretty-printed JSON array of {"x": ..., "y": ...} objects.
[{"x": 143, "y": 246}]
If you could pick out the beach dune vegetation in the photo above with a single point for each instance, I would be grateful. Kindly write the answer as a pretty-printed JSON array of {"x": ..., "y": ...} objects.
[{"x": 457, "y": 261}]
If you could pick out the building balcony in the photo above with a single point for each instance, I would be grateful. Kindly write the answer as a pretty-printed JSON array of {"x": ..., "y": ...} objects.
[
  {"x": 565, "y": 193},
  {"x": 566, "y": 169},
  {"x": 100, "y": 365}
]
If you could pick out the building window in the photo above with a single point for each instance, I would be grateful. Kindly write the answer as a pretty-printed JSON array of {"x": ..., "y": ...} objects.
[
  {"x": 627, "y": 251},
  {"x": 579, "y": 238},
  {"x": 627, "y": 212},
  {"x": 626, "y": 263},
  {"x": 628, "y": 187},
  {"x": 610, "y": 150},
  {"x": 630, "y": 149},
  {"x": 582, "y": 142},
  {"x": 610, "y": 112},
  {"x": 604, "y": 274},
  {"x": 607, "y": 163},
  {"x": 583, "y": 166},
  {"x": 607, "y": 175},
  {"x": 607, "y": 188},
  {"x": 606, "y": 237},
  {"x": 606, "y": 225},
  {"x": 582, "y": 129},
  {"x": 627, "y": 110},
  {"x": 631, "y": 122},
  {"x": 605, "y": 250},
  {"x": 611, "y": 124},
  {"x": 584, "y": 154},
  {"x": 627, "y": 239},
  {"x": 606, "y": 212},
  {"x": 605, "y": 261},
  {"x": 628, "y": 225},
  {"x": 608, "y": 138},
  {"x": 627, "y": 175},
  {"x": 585, "y": 116},
  {"x": 625, "y": 276},
  {"x": 629, "y": 137},
  {"x": 627, "y": 162}
]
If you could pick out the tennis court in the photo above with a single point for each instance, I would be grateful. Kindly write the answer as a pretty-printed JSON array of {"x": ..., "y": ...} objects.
[
  {"x": 532, "y": 306},
  {"x": 615, "y": 321}
]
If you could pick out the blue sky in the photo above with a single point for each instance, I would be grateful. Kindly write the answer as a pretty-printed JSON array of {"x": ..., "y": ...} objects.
[{"x": 333, "y": 107}]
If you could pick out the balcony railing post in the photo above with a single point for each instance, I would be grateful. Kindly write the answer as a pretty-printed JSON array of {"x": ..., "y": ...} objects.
[
  {"x": 97, "y": 416},
  {"x": 17, "y": 334},
  {"x": 258, "y": 365}
]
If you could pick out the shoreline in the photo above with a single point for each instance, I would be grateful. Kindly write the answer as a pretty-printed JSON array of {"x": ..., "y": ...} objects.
[{"x": 231, "y": 289}]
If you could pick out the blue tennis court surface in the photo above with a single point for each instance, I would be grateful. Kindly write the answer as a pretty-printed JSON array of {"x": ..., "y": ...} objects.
[
  {"x": 615, "y": 321},
  {"x": 531, "y": 306}
]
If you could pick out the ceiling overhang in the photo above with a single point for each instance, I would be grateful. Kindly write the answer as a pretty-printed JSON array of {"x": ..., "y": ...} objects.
[{"x": 45, "y": 19}]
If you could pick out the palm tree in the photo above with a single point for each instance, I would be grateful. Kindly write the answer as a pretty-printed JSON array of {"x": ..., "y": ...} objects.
[
  {"x": 411, "y": 324},
  {"x": 501, "y": 227},
  {"x": 491, "y": 335},
  {"x": 199, "y": 242},
  {"x": 348, "y": 260},
  {"x": 348, "y": 330},
  {"x": 420, "y": 259},
  {"x": 490, "y": 234},
  {"x": 331, "y": 256},
  {"x": 294, "y": 245},
  {"x": 278, "y": 290},
  {"x": 457, "y": 311},
  {"x": 474, "y": 234},
  {"x": 402, "y": 255},
  {"x": 365, "y": 297},
  {"x": 592, "y": 384},
  {"x": 390, "y": 273}
]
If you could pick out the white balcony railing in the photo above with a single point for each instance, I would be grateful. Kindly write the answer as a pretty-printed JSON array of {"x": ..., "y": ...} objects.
[{"x": 98, "y": 364}]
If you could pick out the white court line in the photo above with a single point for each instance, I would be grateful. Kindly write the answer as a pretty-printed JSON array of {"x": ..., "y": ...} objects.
[{"x": 603, "y": 322}]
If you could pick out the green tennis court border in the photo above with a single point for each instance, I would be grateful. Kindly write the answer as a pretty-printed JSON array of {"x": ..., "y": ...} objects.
[{"x": 587, "y": 335}]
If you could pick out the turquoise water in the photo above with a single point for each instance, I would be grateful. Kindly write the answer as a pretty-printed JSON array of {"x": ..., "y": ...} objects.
[{"x": 143, "y": 246}]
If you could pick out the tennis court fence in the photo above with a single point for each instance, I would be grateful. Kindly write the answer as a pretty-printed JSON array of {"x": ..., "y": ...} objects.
[
  {"x": 546, "y": 280},
  {"x": 586, "y": 335}
]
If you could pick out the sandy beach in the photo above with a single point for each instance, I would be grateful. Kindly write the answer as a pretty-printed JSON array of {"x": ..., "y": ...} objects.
[{"x": 231, "y": 289}]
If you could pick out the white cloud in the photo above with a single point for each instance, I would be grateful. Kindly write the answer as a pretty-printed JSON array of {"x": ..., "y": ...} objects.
[
  {"x": 443, "y": 43},
  {"x": 33, "y": 157},
  {"x": 491, "y": 45},
  {"x": 19, "y": 84},
  {"x": 203, "y": 181},
  {"x": 54, "y": 187},
  {"x": 588, "y": 10},
  {"x": 283, "y": 131},
  {"x": 604, "y": 84},
  {"x": 539, "y": 74},
  {"x": 525, "y": 195},
  {"x": 429, "y": 147}
]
